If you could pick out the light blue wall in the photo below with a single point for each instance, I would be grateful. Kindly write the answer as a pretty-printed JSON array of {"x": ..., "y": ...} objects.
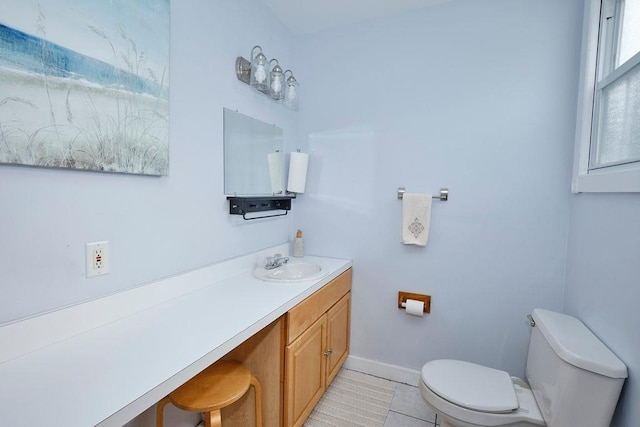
[
  {"x": 155, "y": 226},
  {"x": 476, "y": 96},
  {"x": 603, "y": 282}
]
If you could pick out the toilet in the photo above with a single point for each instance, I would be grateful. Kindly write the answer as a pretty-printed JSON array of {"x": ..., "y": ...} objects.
[{"x": 574, "y": 380}]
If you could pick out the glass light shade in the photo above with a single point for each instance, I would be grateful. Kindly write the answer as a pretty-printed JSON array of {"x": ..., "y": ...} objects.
[
  {"x": 277, "y": 82},
  {"x": 291, "y": 95},
  {"x": 260, "y": 72}
]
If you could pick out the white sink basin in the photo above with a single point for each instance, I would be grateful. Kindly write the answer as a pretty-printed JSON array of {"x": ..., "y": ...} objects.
[{"x": 292, "y": 272}]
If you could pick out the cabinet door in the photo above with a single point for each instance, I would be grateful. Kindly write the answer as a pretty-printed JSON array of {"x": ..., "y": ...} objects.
[
  {"x": 338, "y": 325},
  {"x": 305, "y": 373}
]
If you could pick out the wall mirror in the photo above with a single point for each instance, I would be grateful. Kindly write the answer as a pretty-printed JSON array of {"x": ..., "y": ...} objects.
[{"x": 253, "y": 156}]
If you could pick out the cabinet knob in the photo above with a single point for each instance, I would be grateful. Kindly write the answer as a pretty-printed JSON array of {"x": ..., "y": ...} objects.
[{"x": 328, "y": 352}]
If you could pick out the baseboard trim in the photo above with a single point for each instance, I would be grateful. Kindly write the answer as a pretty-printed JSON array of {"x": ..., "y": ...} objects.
[{"x": 383, "y": 370}]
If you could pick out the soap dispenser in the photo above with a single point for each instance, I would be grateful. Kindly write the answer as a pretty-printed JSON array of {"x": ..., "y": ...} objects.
[{"x": 298, "y": 245}]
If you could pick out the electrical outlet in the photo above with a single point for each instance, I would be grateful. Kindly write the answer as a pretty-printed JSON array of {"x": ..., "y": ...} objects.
[{"x": 97, "y": 255}]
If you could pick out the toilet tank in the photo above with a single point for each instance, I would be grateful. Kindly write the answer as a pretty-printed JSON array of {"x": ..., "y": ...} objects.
[{"x": 575, "y": 379}]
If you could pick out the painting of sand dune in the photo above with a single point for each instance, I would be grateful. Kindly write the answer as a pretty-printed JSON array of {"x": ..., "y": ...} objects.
[{"x": 84, "y": 85}]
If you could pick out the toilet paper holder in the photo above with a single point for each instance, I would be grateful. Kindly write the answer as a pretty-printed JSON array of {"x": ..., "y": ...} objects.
[{"x": 404, "y": 296}]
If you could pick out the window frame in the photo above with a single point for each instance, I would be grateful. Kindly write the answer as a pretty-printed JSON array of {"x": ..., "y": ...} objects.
[{"x": 615, "y": 178}]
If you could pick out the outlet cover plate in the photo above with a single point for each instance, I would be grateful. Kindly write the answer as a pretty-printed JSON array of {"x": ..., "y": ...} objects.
[{"x": 97, "y": 258}]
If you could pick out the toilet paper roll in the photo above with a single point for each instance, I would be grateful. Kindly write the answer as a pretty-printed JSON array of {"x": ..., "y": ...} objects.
[
  {"x": 414, "y": 307},
  {"x": 275, "y": 171},
  {"x": 297, "y": 172}
]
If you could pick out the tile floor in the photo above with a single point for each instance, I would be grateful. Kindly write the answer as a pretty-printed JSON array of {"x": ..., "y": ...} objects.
[{"x": 408, "y": 409}]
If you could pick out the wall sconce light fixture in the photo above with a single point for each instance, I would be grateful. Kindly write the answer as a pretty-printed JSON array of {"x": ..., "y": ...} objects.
[
  {"x": 259, "y": 73},
  {"x": 271, "y": 81},
  {"x": 277, "y": 81},
  {"x": 291, "y": 92}
]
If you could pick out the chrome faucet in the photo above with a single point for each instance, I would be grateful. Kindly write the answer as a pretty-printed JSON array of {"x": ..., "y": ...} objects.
[{"x": 275, "y": 261}]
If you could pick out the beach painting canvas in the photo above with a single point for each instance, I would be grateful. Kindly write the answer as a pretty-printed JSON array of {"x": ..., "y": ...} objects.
[{"x": 85, "y": 84}]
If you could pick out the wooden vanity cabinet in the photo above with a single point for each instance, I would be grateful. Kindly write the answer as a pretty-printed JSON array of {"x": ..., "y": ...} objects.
[
  {"x": 295, "y": 358},
  {"x": 262, "y": 355},
  {"x": 317, "y": 346}
]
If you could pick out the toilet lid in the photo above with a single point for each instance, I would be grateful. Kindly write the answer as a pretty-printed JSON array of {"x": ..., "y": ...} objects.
[{"x": 471, "y": 386}]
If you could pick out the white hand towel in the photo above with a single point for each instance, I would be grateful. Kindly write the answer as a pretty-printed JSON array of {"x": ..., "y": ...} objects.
[{"x": 416, "y": 215}]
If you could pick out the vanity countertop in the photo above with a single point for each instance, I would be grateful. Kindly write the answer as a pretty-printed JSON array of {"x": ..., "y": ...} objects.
[{"x": 105, "y": 361}]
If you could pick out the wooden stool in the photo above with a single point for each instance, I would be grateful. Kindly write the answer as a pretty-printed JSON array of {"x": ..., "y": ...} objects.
[{"x": 220, "y": 385}]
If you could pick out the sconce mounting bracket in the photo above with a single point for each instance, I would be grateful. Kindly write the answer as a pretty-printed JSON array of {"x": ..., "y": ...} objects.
[{"x": 243, "y": 69}]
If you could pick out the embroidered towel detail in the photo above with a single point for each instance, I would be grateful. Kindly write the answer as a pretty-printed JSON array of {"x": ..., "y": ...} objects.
[{"x": 416, "y": 215}]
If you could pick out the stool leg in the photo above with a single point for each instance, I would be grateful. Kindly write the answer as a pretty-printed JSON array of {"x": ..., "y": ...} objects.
[
  {"x": 160, "y": 411},
  {"x": 256, "y": 386},
  {"x": 213, "y": 419}
]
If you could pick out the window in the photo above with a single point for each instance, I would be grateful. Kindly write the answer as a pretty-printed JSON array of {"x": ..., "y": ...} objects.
[{"x": 608, "y": 131}]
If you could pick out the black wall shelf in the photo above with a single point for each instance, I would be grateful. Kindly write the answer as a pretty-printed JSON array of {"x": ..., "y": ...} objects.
[{"x": 243, "y": 205}]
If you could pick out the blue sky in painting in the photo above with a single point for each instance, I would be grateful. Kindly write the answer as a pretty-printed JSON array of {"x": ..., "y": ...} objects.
[{"x": 106, "y": 30}]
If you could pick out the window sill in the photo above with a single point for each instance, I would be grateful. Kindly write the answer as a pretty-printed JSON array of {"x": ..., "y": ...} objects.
[{"x": 619, "y": 181}]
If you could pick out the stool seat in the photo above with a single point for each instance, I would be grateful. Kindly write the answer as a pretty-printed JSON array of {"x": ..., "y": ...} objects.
[{"x": 218, "y": 386}]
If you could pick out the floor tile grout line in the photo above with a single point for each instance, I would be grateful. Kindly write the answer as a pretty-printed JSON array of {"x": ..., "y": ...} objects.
[{"x": 410, "y": 416}]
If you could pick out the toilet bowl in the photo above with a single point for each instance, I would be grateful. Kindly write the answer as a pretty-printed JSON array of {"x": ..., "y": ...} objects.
[
  {"x": 465, "y": 394},
  {"x": 574, "y": 380}
]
